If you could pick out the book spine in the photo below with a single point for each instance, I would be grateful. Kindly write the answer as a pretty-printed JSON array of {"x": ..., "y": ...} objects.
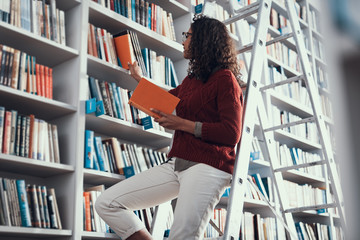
[
  {"x": 23, "y": 203},
  {"x": 88, "y": 158}
]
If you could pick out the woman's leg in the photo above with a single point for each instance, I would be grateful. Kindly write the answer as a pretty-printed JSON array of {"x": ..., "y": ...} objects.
[
  {"x": 201, "y": 187},
  {"x": 147, "y": 189}
]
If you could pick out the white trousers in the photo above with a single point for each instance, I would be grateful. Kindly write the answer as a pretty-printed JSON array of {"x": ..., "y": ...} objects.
[{"x": 198, "y": 190}]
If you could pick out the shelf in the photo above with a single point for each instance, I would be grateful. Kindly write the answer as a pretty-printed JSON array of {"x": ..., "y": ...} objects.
[
  {"x": 313, "y": 217},
  {"x": 291, "y": 105},
  {"x": 127, "y": 131},
  {"x": 67, "y": 4},
  {"x": 98, "y": 235},
  {"x": 103, "y": 70},
  {"x": 42, "y": 48},
  {"x": 95, "y": 177},
  {"x": 32, "y": 232},
  {"x": 289, "y": 72},
  {"x": 292, "y": 140},
  {"x": 33, "y": 167},
  {"x": 41, "y": 107},
  {"x": 250, "y": 205},
  {"x": 303, "y": 178},
  {"x": 175, "y": 7},
  {"x": 115, "y": 23}
]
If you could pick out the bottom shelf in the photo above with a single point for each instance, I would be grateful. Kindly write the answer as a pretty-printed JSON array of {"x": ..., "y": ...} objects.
[{"x": 30, "y": 232}]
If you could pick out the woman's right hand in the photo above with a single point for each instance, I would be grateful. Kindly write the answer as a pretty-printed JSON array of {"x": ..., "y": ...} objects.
[{"x": 135, "y": 71}]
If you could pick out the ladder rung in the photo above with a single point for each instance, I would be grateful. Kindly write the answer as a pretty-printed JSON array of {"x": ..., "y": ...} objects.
[
  {"x": 302, "y": 121},
  {"x": 249, "y": 46},
  {"x": 307, "y": 208},
  {"x": 243, "y": 13},
  {"x": 303, "y": 165},
  {"x": 289, "y": 80}
]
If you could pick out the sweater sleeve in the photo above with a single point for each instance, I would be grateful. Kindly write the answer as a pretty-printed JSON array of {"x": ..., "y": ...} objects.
[{"x": 227, "y": 130}]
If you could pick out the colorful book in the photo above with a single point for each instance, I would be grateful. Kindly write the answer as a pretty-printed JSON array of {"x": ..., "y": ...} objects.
[
  {"x": 23, "y": 203},
  {"x": 89, "y": 151},
  {"x": 148, "y": 95}
]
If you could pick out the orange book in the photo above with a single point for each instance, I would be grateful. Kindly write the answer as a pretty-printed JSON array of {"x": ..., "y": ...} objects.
[
  {"x": 124, "y": 49},
  {"x": 148, "y": 95},
  {"x": 87, "y": 212}
]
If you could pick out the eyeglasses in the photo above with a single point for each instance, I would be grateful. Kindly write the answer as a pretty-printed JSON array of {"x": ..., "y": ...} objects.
[{"x": 185, "y": 35}]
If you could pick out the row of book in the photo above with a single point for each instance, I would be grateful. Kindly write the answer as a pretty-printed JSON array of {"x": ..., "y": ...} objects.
[
  {"x": 27, "y": 136},
  {"x": 28, "y": 205},
  {"x": 92, "y": 222},
  {"x": 316, "y": 231},
  {"x": 20, "y": 71},
  {"x": 40, "y": 17},
  {"x": 115, "y": 101},
  {"x": 306, "y": 130},
  {"x": 110, "y": 155},
  {"x": 284, "y": 54},
  {"x": 294, "y": 156},
  {"x": 122, "y": 48},
  {"x": 305, "y": 195},
  {"x": 143, "y": 12},
  {"x": 294, "y": 90}
]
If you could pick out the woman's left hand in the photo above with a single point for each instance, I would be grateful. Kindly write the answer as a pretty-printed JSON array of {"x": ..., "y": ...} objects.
[{"x": 174, "y": 122}]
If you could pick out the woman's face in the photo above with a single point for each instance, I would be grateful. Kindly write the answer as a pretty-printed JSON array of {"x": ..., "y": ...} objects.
[{"x": 186, "y": 43}]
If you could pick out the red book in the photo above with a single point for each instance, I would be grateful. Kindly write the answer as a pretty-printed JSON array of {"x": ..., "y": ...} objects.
[
  {"x": 7, "y": 132},
  {"x": 50, "y": 83},
  {"x": 106, "y": 50},
  {"x": 46, "y": 74},
  {"x": 38, "y": 80},
  {"x": 42, "y": 80}
]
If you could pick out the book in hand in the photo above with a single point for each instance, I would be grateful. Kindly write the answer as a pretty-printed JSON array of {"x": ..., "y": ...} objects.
[{"x": 148, "y": 95}]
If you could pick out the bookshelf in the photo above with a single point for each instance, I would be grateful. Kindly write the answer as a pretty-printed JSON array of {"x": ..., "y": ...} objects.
[
  {"x": 72, "y": 65},
  {"x": 312, "y": 30}
]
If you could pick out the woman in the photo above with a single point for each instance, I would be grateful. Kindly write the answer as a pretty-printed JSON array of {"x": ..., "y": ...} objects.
[{"x": 207, "y": 127}]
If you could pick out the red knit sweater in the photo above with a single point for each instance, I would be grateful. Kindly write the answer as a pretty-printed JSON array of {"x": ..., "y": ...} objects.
[{"x": 218, "y": 105}]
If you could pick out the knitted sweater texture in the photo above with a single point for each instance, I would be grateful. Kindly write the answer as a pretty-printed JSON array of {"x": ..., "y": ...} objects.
[{"x": 218, "y": 105}]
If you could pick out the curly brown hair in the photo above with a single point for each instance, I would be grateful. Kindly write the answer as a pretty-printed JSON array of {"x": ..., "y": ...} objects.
[{"x": 211, "y": 47}]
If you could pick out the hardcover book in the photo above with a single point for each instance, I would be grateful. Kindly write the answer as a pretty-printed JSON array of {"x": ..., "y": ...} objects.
[{"x": 148, "y": 95}]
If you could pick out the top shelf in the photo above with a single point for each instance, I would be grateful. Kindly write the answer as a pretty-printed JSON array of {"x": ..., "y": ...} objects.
[{"x": 115, "y": 23}]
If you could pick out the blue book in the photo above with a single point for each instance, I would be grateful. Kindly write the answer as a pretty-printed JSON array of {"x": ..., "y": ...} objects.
[
  {"x": 112, "y": 87},
  {"x": 173, "y": 77},
  {"x": 89, "y": 150},
  {"x": 99, "y": 152},
  {"x": 145, "y": 55},
  {"x": 260, "y": 185},
  {"x": 121, "y": 105},
  {"x": 149, "y": 18},
  {"x": 294, "y": 156},
  {"x": 23, "y": 203},
  {"x": 133, "y": 10},
  {"x": 95, "y": 159},
  {"x": 94, "y": 91}
]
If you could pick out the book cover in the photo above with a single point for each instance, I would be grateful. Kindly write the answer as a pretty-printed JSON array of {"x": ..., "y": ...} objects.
[
  {"x": 124, "y": 49},
  {"x": 148, "y": 95}
]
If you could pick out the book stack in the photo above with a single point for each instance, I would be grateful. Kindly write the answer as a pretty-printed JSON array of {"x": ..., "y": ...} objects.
[
  {"x": 27, "y": 136},
  {"x": 20, "y": 71},
  {"x": 28, "y": 205},
  {"x": 110, "y": 155},
  {"x": 143, "y": 12},
  {"x": 36, "y": 16}
]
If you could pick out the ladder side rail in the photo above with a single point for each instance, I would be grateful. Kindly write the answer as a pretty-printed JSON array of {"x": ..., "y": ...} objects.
[
  {"x": 315, "y": 101},
  {"x": 238, "y": 186},
  {"x": 274, "y": 164}
]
